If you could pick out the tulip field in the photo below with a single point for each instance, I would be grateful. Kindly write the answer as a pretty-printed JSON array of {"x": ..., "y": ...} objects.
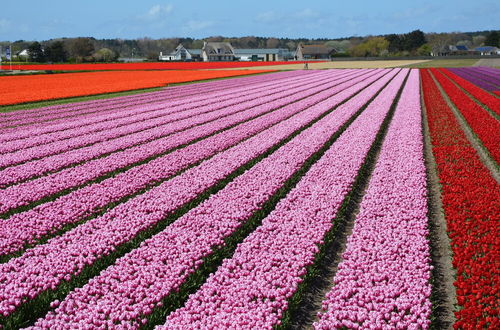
[{"x": 217, "y": 204}]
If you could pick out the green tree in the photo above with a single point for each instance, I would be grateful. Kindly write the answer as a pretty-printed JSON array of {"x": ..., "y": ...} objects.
[
  {"x": 395, "y": 43},
  {"x": 492, "y": 39},
  {"x": 413, "y": 40},
  {"x": 105, "y": 55},
  {"x": 56, "y": 52},
  {"x": 35, "y": 52},
  {"x": 424, "y": 50},
  {"x": 81, "y": 49},
  {"x": 374, "y": 46}
]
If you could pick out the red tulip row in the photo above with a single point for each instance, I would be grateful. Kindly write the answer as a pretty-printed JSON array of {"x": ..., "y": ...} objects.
[
  {"x": 471, "y": 200},
  {"x": 483, "y": 124}
]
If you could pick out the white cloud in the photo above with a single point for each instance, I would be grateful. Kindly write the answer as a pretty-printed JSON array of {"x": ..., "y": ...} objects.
[{"x": 159, "y": 10}]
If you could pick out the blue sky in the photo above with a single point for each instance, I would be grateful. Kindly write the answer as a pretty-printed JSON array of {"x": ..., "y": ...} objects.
[{"x": 41, "y": 20}]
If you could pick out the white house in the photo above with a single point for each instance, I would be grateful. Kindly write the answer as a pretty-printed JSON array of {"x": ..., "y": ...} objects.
[
  {"x": 217, "y": 51},
  {"x": 180, "y": 53},
  {"x": 488, "y": 50}
]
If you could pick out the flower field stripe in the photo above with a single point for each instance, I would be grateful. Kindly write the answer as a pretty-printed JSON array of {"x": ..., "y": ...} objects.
[
  {"x": 120, "y": 111},
  {"x": 251, "y": 289},
  {"x": 491, "y": 73},
  {"x": 93, "y": 198},
  {"x": 146, "y": 139},
  {"x": 471, "y": 200},
  {"x": 146, "y": 98},
  {"x": 481, "y": 122},
  {"x": 66, "y": 181},
  {"x": 44, "y": 87},
  {"x": 119, "y": 230},
  {"x": 171, "y": 92},
  {"x": 489, "y": 83},
  {"x": 155, "y": 119},
  {"x": 383, "y": 279},
  {"x": 489, "y": 100},
  {"x": 73, "y": 177},
  {"x": 150, "y": 66},
  {"x": 190, "y": 239}
]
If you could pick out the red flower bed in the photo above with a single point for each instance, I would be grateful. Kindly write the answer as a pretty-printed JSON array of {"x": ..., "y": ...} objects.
[
  {"x": 483, "y": 124},
  {"x": 32, "y": 88},
  {"x": 471, "y": 202},
  {"x": 480, "y": 94},
  {"x": 145, "y": 66}
]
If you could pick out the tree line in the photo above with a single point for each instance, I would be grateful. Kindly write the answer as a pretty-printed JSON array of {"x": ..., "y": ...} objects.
[{"x": 414, "y": 43}]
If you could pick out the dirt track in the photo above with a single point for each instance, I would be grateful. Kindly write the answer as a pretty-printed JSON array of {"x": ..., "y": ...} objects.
[
  {"x": 338, "y": 65},
  {"x": 493, "y": 62}
]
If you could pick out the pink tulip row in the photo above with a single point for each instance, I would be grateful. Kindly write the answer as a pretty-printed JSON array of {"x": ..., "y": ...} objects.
[
  {"x": 46, "y": 266},
  {"x": 26, "y": 227},
  {"x": 251, "y": 290},
  {"x": 138, "y": 282},
  {"x": 146, "y": 139},
  {"x": 175, "y": 91},
  {"x": 44, "y": 115},
  {"x": 24, "y": 193},
  {"x": 383, "y": 279},
  {"x": 124, "y": 110},
  {"x": 155, "y": 118}
]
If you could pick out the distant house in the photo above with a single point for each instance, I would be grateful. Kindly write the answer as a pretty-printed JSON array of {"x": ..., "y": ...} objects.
[
  {"x": 217, "y": 51},
  {"x": 448, "y": 50},
  {"x": 263, "y": 54},
  {"x": 180, "y": 53},
  {"x": 314, "y": 52},
  {"x": 488, "y": 50}
]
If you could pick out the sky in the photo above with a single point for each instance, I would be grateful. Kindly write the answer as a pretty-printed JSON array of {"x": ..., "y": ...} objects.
[{"x": 43, "y": 20}]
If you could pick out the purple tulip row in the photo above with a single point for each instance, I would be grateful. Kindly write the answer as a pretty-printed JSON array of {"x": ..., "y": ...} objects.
[
  {"x": 487, "y": 71},
  {"x": 138, "y": 282},
  {"x": 383, "y": 278},
  {"x": 111, "y": 111},
  {"x": 157, "y": 119},
  {"x": 158, "y": 136},
  {"x": 251, "y": 290},
  {"x": 26, "y": 227},
  {"x": 46, "y": 266},
  {"x": 91, "y": 107},
  {"x": 481, "y": 81}
]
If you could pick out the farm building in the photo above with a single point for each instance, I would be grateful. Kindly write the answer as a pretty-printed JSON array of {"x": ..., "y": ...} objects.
[
  {"x": 488, "y": 50},
  {"x": 180, "y": 53},
  {"x": 314, "y": 52},
  {"x": 263, "y": 54},
  {"x": 217, "y": 51},
  {"x": 447, "y": 50}
]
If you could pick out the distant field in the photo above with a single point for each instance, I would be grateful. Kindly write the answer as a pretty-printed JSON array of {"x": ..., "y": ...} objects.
[
  {"x": 339, "y": 65},
  {"x": 443, "y": 63}
]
